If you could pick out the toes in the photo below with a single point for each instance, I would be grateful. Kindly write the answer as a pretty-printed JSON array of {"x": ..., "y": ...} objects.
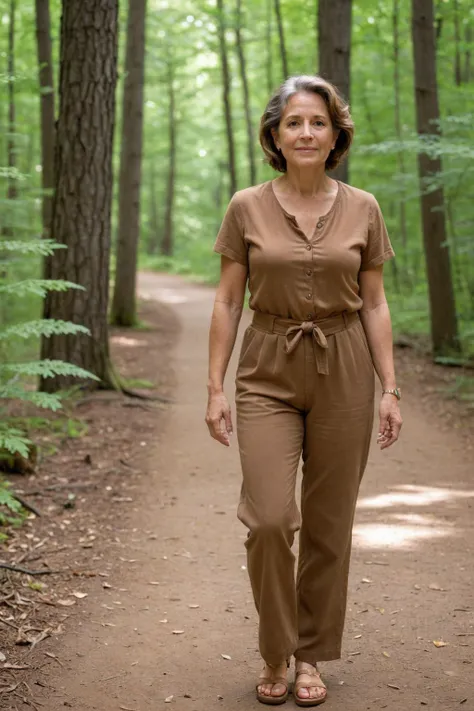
[{"x": 278, "y": 690}]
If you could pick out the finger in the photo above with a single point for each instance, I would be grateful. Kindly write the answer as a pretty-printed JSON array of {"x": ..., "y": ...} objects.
[
  {"x": 228, "y": 422},
  {"x": 216, "y": 431}
]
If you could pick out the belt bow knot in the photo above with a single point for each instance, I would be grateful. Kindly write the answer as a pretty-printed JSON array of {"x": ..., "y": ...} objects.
[{"x": 295, "y": 333}]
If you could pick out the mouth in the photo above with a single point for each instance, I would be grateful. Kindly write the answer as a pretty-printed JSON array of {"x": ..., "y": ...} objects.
[{"x": 306, "y": 150}]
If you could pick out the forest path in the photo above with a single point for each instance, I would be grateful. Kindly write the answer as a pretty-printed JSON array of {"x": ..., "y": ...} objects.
[{"x": 411, "y": 575}]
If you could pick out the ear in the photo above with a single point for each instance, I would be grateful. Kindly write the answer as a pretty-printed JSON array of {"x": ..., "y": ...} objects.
[
  {"x": 335, "y": 137},
  {"x": 275, "y": 138}
]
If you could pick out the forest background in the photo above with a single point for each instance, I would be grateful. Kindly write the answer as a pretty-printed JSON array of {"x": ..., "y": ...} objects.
[{"x": 210, "y": 67}]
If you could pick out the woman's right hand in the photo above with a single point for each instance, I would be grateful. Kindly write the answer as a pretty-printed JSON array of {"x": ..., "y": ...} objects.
[{"x": 218, "y": 418}]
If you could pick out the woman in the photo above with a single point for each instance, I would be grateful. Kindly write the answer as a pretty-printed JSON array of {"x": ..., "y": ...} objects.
[{"x": 312, "y": 250}]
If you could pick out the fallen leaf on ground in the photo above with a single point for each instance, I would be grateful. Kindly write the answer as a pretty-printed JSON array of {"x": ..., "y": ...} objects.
[
  {"x": 386, "y": 654},
  {"x": 169, "y": 699},
  {"x": 439, "y": 643},
  {"x": 367, "y": 580},
  {"x": 394, "y": 686},
  {"x": 127, "y": 708},
  {"x": 2, "y": 657},
  {"x": 79, "y": 595},
  {"x": 353, "y": 654},
  {"x": 164, "y": 622},
  {"x": 66, "y": 603},
  {"x": 226, "y": 656},
  {"x": 153, "y": 582},
  {"x": 193, "y": 607},
  {"x": 358, "y": 636},
  {"x": 106, "y": 586},
  {"x": 435, "y": 586},
  {"x": 178, "y": 631}
]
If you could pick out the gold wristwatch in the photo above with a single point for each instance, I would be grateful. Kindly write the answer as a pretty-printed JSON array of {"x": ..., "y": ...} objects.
[{"x": 393, "y": 391}]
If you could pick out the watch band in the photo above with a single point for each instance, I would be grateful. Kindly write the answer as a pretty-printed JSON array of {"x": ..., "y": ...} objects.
[{"x": 393, "y": 391}]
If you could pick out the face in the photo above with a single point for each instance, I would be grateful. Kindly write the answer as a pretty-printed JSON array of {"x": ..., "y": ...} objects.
[{"x": 305, "y": 135}]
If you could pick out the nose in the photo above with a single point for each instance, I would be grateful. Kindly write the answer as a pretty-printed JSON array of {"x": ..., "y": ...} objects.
[{"x": 306, "y": 130}]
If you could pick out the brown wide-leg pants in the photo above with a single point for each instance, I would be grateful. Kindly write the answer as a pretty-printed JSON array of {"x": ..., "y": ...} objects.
[{"x": 302, "y": 389}]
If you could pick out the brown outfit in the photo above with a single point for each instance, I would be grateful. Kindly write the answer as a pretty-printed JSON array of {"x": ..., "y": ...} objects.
[{"x": 305, "y": 385}]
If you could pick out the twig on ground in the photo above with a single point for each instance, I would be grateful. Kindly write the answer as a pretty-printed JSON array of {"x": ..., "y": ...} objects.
[
  {"x": 18, "y": 569},
  {"x": 26, "y": 505},
  {"x": 9, "y": 624}
]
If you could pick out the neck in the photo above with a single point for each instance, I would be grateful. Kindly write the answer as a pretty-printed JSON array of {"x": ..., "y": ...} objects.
[{"x": 307, "y": 183}]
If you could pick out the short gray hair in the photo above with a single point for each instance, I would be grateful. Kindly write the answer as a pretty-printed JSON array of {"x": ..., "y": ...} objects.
[{"x": 338, "y": 110}]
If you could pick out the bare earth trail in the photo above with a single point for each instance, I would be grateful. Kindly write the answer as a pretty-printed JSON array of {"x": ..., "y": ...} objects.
[{"x": 411, "y": 578}]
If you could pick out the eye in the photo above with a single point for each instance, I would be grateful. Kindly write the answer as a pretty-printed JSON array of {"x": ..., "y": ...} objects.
[
  {"x": 319, "y": 123},
  {"x": 292, "y": 123}
]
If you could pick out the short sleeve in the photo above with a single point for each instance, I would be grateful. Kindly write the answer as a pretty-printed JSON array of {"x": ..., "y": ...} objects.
[
  {"x": 230, "y": 240},
  {"x": 378, "y": 248}
]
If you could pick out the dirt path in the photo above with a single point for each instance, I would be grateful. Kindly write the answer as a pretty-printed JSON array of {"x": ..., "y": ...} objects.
[{"x": 411, "y": 579}]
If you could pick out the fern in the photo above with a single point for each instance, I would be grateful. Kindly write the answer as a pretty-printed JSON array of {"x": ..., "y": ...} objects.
[
  {"x": 13, "y": 440},
  {"x": 46, "y": 369},
  {"x": 42, "y": 327},
  {"x": 40, "y": 247},
  {"x": 37, "y": 286}
]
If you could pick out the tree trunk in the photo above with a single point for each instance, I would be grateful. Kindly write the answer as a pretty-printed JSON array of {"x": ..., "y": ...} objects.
[
  {"x": 334, "y": 30},
  {"x": 281, "y": 35},
  {"x": 457, "y": 47},
  {"x": 269, "y": 60},
  {"x": 45, "y": 64},
  {"x": 245, "y": 89},
  {"x": 12, "y": 184},
  {"x": 167, "y": 244},
  {"x": 83, "y": 178},
  {"x": 398, "y": 126},
  {"x": 226, "y": 90},
  {"x": 444, "y": 331},
  {"x": 154, "y": 239},
  {"x": 123, "y": 303}
]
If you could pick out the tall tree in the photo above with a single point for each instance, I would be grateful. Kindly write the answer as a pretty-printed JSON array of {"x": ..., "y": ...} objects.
[
  {"x": 167, "y": 242},
  {"x": 334, "y": 31},
  {"x": 83, "y": 184},
  {"x": 281, "y": 36},
  {"x": 245, "y": 89},
  {"x": 12, "y": 188},
  {"x": 268, "y": 40},
  {"x": 123, "y": 304},
  {"x": 398, "y": 119},
  {"x": 444, "y": 331},
  {"x": 226, "y": 92},
  {"x": 457, "y": 45},
  {"x": 45, "y": 64}
]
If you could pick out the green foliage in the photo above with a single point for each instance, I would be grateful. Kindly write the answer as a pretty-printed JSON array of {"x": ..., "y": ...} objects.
[{"x": 11, "y": 512}]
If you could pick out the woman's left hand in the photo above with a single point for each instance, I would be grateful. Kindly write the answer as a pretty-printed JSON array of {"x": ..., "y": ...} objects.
[{"x": 390, "y": 421}]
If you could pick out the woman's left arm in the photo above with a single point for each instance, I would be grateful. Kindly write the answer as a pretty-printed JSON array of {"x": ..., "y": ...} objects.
[{"x": 375, "y": 317}]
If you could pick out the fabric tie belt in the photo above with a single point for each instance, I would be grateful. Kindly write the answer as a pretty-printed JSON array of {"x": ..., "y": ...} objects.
[{"x": 294, "y": 332}]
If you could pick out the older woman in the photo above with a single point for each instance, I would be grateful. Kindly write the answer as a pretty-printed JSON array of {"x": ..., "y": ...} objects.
[{"x": 312, "y": 250}]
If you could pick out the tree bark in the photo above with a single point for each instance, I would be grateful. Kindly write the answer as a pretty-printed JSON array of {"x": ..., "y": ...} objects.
[
  {"x": 444, "y": 332},
  {"x": 154, "y": 238},
  {"x": 457, "y": 43},
  {"x": 226, "y": 92},
  {"x": 83, "y": 177},
  {"x": 269, "y": 59},
  {"x": 11, "y": 150},
  {"x": 167, "y": 244},
  {"x": 245, "y": 89},
  {"x": 123, "y": 303},
  {"x": 281, "y": 35},
  {"x": 398, "y": 122},
  {"x": 334, "y": 30},
  {"x": 46, "y": 81}
]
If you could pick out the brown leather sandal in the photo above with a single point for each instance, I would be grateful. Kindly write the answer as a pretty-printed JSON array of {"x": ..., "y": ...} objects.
[
  {"x": 315, "y": 682},
  {"x": 273, "y": 700}
]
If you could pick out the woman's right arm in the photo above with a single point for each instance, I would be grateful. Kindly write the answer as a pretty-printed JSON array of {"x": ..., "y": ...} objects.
[{"x": 225, "y": 320}]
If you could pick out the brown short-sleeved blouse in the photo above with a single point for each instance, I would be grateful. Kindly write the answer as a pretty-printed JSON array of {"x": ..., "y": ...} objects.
[{"x": 291, "y": 276}]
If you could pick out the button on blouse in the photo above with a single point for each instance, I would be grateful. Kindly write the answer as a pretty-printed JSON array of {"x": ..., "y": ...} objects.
[{"x": 282, "y": 263}]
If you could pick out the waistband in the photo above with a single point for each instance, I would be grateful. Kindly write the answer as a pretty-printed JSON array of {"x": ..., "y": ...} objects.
[{"x": 294, "y": 331}]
